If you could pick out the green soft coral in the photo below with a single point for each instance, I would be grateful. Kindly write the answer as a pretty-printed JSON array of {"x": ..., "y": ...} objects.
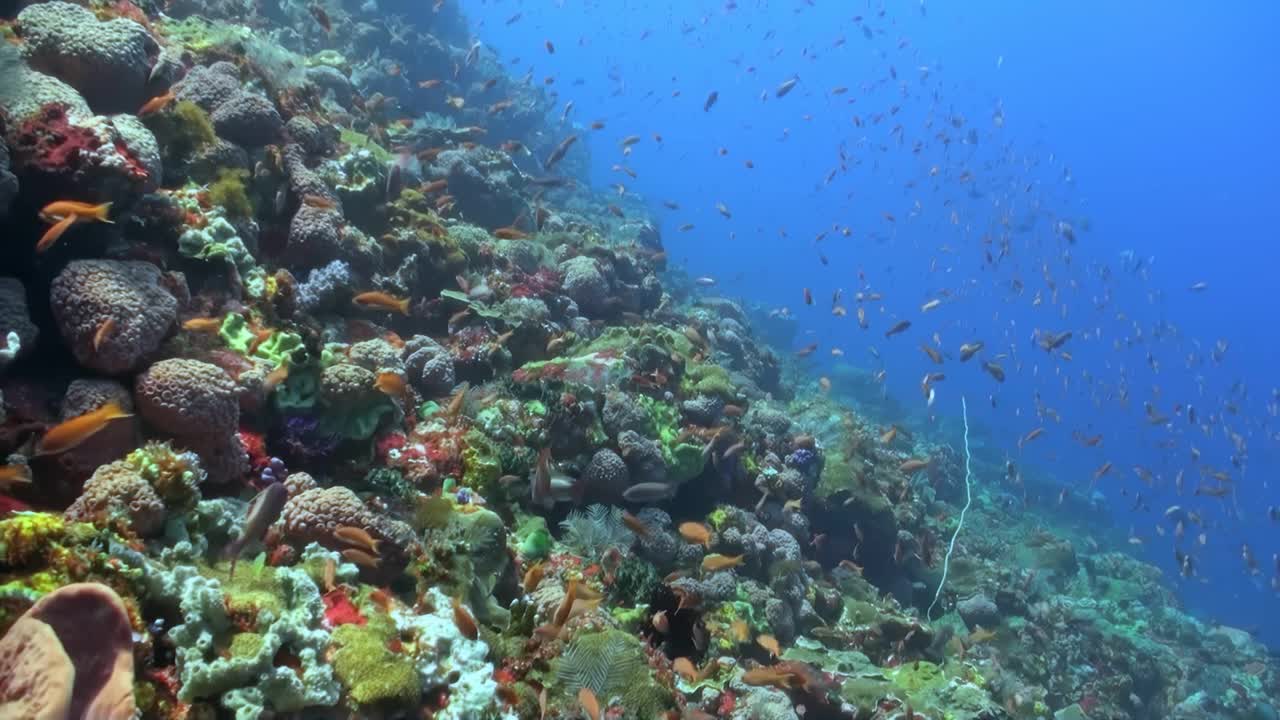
[
  {"x": 175, "y": 475},
  {"x": 684, "y": 461},
  {"x": 217, "y": 240},
  {"x": 281, "y": 348}
]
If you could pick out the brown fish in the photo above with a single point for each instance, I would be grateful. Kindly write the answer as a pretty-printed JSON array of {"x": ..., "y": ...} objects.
[
  {"x": 14, "y": 475},
  {"x": 264, "y": 510},
  {"x": 898, "y": 327},
  {"x": 994, "y": 371},
  {"x": 968, "y": 350},
  {"x": 912, "y": 465},
  {"x": 1030, "y": 436},
  {"x": 933, "y": 354},
  {"x": 635, "y": 524},
  {"x": 357, "y": 538},
  {"x": 558, "y": 154}
]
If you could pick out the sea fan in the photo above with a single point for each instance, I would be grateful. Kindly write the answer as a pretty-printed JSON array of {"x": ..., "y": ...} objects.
[
  {"x": 605, "y": 662},
  {"x": 592, "y": 533}
]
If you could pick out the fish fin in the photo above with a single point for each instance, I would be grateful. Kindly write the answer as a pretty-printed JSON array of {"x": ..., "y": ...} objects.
[
  {"x": 53, "y": 233},
  {"x": 102, "y": 213}
]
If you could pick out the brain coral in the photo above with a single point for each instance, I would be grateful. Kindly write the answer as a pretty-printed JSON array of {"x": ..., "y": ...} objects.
[
  {"x": 314, "y": 515},
  {"x": 188, "y": 398},
  {"x": 128, "y": 295},
  {"x": 108, "y": 62},
  {"x": 247, "y": 119},
  {"x": 208, "y": 87}
]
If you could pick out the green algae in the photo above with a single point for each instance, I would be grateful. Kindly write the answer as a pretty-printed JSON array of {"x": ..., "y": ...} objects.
[
  {"x": 369, "y": 671},
  {"x": 229, "y": 192},
  {"x": 360, "y": 141},
  {"x": 708, "y": 379},
  {"x": 181, "y": 130},
  {"x": 245, "y": 644},
  {"x": 481, "y": 463}
]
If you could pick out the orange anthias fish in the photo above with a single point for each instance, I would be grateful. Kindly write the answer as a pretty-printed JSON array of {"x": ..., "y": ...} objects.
[
  {"x": 65, "y": 213},
  {"x": 462, "y": 618},
  {"x": 635, "y": 524},
  {"x": 590, "y": 704},
  {"x": 695, "y": 533},
  {"x": 1030, "y": 436},
  {"x": 203, "y": 324},
  {"x": 391, "y": 384},
  {"x": 716, "y": 561},
  {"x": 510, "y": 233},
  {"x": 532, "y": 577},
  {"x": 382, "y": 301},
  {"x": 769, "y": 643},
  {"x": 14, "y": 475},
  {"x": 156, "y": 104},
  {"x": 67, "y": 435},
  {"x": 566, "y": 605},
  {"x": 763, "y": 676},
  {"x": 684, "y": 667}
]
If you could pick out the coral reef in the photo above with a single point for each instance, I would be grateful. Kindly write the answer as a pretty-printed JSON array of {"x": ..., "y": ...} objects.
[{"x": 360, "y": 407}]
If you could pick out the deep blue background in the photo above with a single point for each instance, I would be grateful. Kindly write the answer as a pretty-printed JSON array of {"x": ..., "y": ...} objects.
[{"x": 1152, "y": 124}]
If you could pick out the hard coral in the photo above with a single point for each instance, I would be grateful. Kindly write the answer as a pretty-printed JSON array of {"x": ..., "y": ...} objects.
[
  {"x": 108, "y": 62},
  {"x": 117, "y": 493},
  {"x": 129, "y": 295},
  {"x": 314, "y": 516}
]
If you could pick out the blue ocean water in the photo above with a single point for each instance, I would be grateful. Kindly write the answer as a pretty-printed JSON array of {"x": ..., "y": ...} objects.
[{"x": 1143, "y": 130}]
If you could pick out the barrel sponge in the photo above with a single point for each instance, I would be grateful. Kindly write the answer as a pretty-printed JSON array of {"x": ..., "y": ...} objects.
[
  {"x": 117, "y": 492},
  {"x": 36, "y": 676},
  {"x": 50, "y": 667},
  {"x": 188, "y": 399},
  {"x": 128, "y": 294},
  {"x": 109, "y": 62}
]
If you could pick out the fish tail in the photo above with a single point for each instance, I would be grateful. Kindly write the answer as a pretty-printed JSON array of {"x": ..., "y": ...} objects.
[
  {"x": 403, "y": 306},
  {"x": 102, "y": 213}
]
